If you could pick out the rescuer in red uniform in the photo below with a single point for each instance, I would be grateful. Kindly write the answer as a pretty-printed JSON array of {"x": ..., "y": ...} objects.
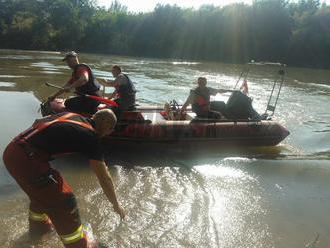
[
  {"x": 52, "y": 202},
  {"x": 83, "y": 82}
]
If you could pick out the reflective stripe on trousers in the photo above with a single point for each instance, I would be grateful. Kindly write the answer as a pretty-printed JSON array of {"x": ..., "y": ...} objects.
[
  {"x": 37, "y": 216},
  {"x": 53, "y": 200},
  {"x": 73, "y": 237}
]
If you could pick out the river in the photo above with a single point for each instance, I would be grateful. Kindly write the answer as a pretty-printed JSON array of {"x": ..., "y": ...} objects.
[{"x": 246, "y": 197}]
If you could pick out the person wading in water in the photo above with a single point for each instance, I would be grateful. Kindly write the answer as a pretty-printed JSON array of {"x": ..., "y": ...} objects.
[{"x": 52, "y": 202}]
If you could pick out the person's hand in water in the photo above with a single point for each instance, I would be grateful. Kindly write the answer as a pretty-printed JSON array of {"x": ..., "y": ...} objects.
[{"x": 119, "y": 210}]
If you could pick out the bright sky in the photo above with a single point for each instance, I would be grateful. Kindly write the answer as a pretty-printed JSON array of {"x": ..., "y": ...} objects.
[{"x": 149, "y": 5}]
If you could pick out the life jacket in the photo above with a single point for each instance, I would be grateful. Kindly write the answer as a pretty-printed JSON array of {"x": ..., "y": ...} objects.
[
  {"x": 126, "y": 91},
  {"x": 202, "y": 101},
  {"x": 89, "y": 88},
  {"x": 42, "y": 124}
]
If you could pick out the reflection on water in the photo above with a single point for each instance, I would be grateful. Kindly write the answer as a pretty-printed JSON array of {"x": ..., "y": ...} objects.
[
  {"x": 11, "y": 76},
  {"x": 184, "y": 196},
  {"x": 7, "y": 84},
  {"x": 46, "y": 67}
]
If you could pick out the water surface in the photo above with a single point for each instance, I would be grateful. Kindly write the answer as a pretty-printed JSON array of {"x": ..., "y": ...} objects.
[{"x": 224, "y": 197}]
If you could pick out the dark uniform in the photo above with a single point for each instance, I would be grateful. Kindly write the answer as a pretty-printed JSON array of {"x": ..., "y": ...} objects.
[
  {"x": 52, "y": 200},
  {"x": 202, "y": 105},
  {"x": 125, "y": 94},
  {"x": 81, "y": 104}
]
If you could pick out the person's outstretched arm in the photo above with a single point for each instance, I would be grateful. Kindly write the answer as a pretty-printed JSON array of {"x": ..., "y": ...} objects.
[
  {"x": 69, "y": 86},
  {"x": 110, "y": 83},
  {"x": 104, "y": 177},
  {"x": 106, "y": 82},
  {"x": 186, "y": 104}
]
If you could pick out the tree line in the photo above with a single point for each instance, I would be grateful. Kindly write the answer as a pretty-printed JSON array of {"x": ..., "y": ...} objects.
[{"x": 296, "y": 33}]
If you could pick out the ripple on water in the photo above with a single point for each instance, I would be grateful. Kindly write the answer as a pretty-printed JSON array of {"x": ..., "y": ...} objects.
[
  {"x": 47, "y": 67},
  {"x": 320, "y": 85},
  {"x": 7, "y": 84},
  {"x": 183, "y": 208},
  {"x": 102, "y": 74},
  {"x": 12, "y": 76},
  {"x": 227, "y": 200},
  {"x": 185, "y": 63},
  {"x": 18, "y": 57}
]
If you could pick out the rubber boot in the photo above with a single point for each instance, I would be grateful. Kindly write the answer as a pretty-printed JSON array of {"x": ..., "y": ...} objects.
[{"x": 39, "y": 228}]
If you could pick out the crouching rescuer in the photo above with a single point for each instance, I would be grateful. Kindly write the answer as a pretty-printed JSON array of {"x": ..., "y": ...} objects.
[{"x": 52, "y": 202}]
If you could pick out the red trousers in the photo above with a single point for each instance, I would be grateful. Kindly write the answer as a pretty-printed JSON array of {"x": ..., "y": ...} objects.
[{"x": 52, "y": 200}]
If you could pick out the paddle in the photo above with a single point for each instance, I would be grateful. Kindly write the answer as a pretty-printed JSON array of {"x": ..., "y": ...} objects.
[{"x": 98, "y": 98}]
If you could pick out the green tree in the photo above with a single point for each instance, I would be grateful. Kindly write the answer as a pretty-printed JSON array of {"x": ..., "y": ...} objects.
[{"x": 274, "y": 30}]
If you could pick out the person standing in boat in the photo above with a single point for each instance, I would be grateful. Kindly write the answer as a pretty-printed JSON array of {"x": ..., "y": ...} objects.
[
  {"x": 199, "y": 98},
  {"x": 52, "y": 202},
  {"x": 82, "y": 82},
  {"x": 124, "y": 93}
]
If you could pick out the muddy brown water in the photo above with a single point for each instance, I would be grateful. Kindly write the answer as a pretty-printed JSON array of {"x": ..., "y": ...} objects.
[{"x": 219, "y": 197}]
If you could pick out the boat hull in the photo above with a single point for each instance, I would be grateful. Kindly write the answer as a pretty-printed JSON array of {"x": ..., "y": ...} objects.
[
  {"x": 147, "y": 126},
  {"x": 263, "y": 133}
]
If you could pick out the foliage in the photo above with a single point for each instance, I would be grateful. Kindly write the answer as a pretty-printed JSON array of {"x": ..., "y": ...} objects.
[{"x": 297, "y": 33}]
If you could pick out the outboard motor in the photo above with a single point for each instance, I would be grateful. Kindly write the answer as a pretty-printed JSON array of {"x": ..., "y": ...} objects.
[{"x": 239, "y": 106}]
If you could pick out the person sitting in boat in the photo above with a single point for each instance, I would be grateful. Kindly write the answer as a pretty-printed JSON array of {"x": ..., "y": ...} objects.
[
  {"x": 199, "y": 98},
  {"x": 83, "y": 82},
  {"x": 124, "y": 94}
]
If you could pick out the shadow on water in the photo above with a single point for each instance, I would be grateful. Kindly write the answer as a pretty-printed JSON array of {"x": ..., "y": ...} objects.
[{"x": 186, "y": 157}]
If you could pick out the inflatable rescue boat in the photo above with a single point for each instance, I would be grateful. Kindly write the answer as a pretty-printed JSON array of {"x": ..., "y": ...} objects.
[
  {"x": 156, "y": 125},
  {"x": 153, "y": 125}
]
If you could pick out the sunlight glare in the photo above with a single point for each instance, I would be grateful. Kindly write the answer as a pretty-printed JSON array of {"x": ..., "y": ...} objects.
[{"x": 146, "y": 6}]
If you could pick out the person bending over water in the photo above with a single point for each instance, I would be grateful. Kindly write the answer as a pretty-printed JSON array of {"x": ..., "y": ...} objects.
[{"x": 52, "y": 202}]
